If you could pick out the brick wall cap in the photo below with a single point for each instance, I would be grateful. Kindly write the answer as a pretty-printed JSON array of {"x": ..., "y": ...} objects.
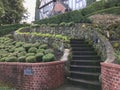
[
  {"x": 111, "y": 65},
  {"x": 33, "y": 64}
]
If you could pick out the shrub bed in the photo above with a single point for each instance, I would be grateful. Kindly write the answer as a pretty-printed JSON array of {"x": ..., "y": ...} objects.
[{"x": 13, "y": 51}]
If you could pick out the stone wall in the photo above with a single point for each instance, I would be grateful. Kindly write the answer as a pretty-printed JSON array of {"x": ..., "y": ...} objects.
[
  {"x": 32, "y": 76},
  {"x": 78, "y": 31},
  {"x": 110, "y": 76}
]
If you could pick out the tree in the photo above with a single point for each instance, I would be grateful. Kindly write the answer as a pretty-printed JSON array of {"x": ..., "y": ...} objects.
[
  {"x": 1, "y": 8},
  {"x": 13, "y": 11}
]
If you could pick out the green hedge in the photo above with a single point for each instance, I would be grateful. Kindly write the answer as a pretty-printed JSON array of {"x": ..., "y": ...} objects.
[
  {"x": 5, "y": 29},
  {"x": 81, "y": 16},
  {"x": 93, "y": 8},
  {"x": 74, "y": 16},
  {"x": 113, "y": 10}
]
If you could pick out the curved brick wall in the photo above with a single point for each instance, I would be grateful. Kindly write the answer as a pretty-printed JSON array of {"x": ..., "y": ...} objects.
[
  {"x": 32, "y": 76},
  {"x": 110, "y": 76}
]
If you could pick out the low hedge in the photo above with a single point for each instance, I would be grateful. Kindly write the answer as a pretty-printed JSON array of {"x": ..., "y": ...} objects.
[{"x": 5, "y": 29}]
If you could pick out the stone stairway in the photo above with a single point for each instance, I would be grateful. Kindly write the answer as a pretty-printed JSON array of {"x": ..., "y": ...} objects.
[{"x": 84, "y": 66}]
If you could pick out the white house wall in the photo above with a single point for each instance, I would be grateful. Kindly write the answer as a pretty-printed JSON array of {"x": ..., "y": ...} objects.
[
  {"x": 73, "y": 5},
  {"x": 77, "y": 4}
]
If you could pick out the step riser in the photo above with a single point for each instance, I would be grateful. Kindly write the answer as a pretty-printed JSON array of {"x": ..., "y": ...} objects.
[
  {"x": 75, "y": 42},
  {"x": 82, "y": 69},
  {"x": 85, "y": 58},
  {"x": 80, "y": 45},
  {"x": 85, "y": 63},
  {"x": 83, "y": 53},
  {"x": 82, "y": 49},
  {"x": 87, "y": 86},
  {"x": 85, "y": 77}
]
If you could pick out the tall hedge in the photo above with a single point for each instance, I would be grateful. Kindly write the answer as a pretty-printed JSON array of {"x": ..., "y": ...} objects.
[
  {"x": 81, "y": 16},
  {"x": 74, "y": 16}
]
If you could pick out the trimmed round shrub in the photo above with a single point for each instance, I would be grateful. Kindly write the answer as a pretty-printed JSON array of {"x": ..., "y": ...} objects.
[
  {"x": 37, "y": 44},
  {"x": 22, "y": 59},
  {"x": 31, "y": 59},
  {"x": 30, "y": 54},
  {"x": 48, "y": 57},
  {"x": 11, "y": 50},
  {"x": 27, "y": 46},
  {"x": 11, "y": 59},
  {"x": 21, "y": 54},
  {"x": 19, "y": 44},
  {"x": 2, "y": 59},
  {"x": 40, "y": 50},
  {"x": 49, "y": 51},
  {"x": 39, "y": 57},
  {"x": 116, "y": 45},
  {"x": 32, "y": 50},
  {"x": 13, "y": 43},
  {"x": 44, "y": 46},
  {"x": 20, "y": 49}
]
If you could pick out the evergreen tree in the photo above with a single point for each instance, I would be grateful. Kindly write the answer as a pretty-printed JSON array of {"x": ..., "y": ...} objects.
[
  {"x": 1, "y": 8},
  {"x": 13, "y": 11}
]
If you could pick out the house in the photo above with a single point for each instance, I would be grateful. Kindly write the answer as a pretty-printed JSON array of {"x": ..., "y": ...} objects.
[{"x": 48, "y": 8}]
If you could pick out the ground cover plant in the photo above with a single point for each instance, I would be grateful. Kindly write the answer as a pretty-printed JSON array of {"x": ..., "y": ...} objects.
[
  {"x": 118, "y": 57},
  {"x": 13, "y": 51}
]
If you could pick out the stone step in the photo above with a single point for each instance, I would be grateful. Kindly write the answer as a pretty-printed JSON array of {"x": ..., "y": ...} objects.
[
  {"x": 80, "y": 45},
  {"x": 88, "y": 85},
  {"x": 85, "y": 62},
  {"x": 84, "y": 53},
  {"x": 85, "y": 57},
  {"x": 85, "y": 75},
  {"x": 85, "y": 65},
  {"x": 82, "y": 49},
  {"x": 77, "y": 41},
  {"x": 84, "y": 68}
]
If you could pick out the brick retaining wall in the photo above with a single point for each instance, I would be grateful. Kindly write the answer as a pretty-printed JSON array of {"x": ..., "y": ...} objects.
[
  {"x": 32, "y": 76},
  {"x": 110, "y": 76}
]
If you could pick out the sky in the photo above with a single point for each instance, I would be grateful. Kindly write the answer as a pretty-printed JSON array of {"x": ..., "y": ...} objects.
[{"x": 30, "y": 6}]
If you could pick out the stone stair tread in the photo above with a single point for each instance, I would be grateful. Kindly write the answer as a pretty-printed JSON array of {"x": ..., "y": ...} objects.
[
  {"x": 85, "y": 60},
  {"x": 84, "y": 55},
  {"x": 86, "y": 73},
  {"x": 84, "y": 66},
  {"x": 85, "y": 51},
  {"x": 85, "y": 81},
  {"x": 82, "y": 49}
]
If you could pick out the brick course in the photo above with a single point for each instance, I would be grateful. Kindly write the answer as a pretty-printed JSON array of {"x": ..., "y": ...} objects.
[
  {"x": 45, "y": 76},
  {"x": 110, "y": 76}
]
